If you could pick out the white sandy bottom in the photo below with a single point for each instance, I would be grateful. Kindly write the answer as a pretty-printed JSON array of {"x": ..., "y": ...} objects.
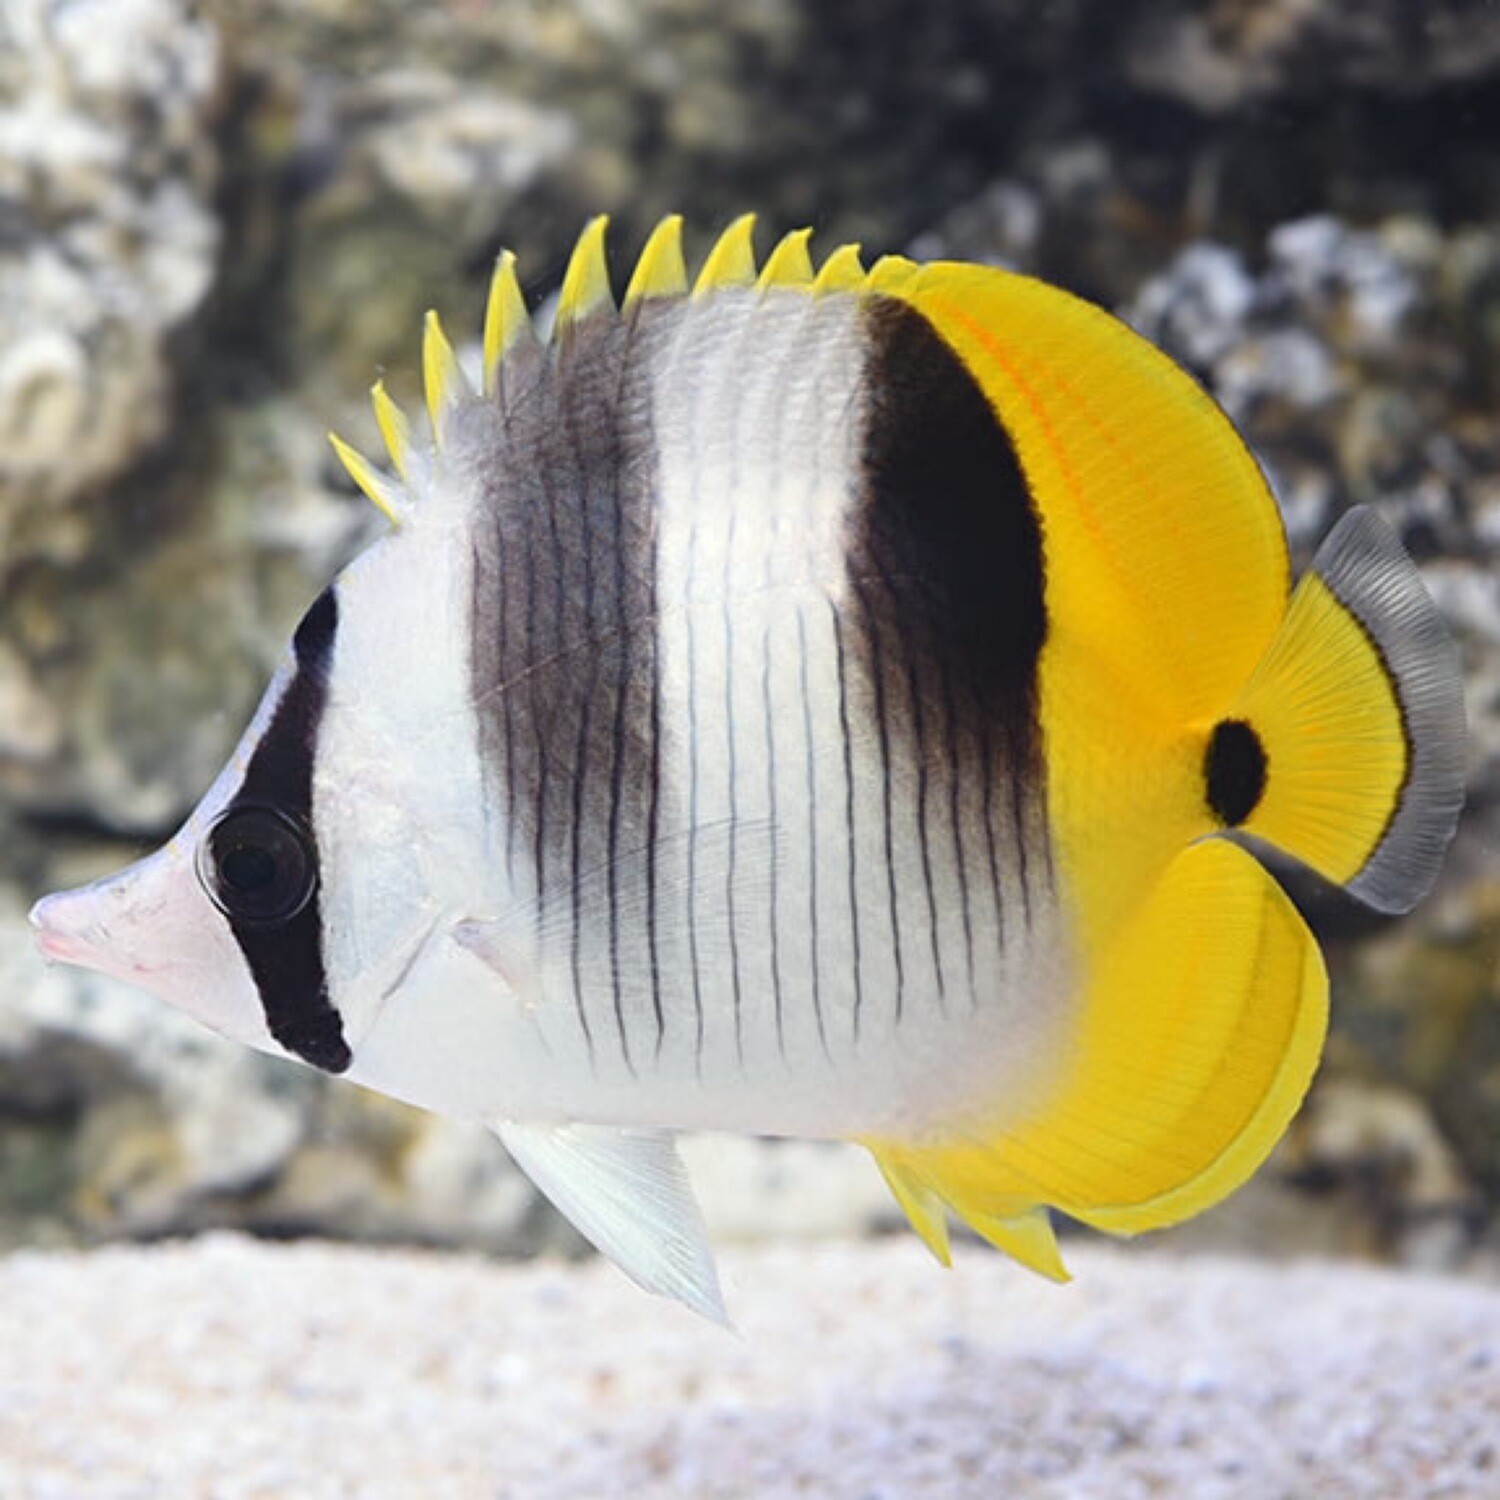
[{"x": 235, "y": 1369}]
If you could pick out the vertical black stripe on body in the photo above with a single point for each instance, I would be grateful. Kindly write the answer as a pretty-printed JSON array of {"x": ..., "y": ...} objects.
[
  {"x": 582, "y": 488},
  {"x": 564, "y": 667},
  {"x": 956, "y": 818},
  {"x": 286, "y": 958},
  {"x": 809, "y": 748},
  {"x": 909, "y": 671},
  {"x": 875, "y": 663},
  {"x": 945, "y": 521},
  {"x": 841, "y": 660},
  {"x": 768, "y": 714},
  {"x": 732, "y": 773}
]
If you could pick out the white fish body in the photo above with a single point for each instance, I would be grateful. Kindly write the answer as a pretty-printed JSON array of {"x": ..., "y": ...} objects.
[{"x": 749, "y": 724}]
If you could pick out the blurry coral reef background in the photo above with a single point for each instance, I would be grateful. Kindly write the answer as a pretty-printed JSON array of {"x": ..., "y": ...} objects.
[{"x": 220, "y": 220}]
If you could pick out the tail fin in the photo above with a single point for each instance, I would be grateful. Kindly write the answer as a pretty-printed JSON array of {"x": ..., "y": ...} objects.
[{"x": 1346, "y": 748}]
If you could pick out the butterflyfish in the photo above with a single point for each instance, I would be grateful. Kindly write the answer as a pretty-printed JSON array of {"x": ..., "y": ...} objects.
[{"x": 807, "y": 701}]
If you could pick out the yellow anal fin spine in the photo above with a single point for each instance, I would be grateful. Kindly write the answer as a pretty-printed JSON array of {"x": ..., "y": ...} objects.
[
  {"x": 924, "y": 1209},
  {"x": 1023, "y": 1233},
  {"x": 661, "y": 270},
  {"x": 1026, "y": 1237}
]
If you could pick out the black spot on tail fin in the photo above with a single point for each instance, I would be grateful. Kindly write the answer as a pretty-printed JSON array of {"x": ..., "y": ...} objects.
[{"x": 1234, "y": 771}]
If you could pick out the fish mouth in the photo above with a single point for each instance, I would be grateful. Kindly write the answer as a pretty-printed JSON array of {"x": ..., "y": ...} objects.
[
  {"x": 61, "y": 931},
  {"x": 66, "y": 928}
]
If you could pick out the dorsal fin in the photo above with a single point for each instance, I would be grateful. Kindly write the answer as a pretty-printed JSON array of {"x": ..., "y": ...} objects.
[
  {"x": 1027, "y": 1237},
  {"x": 731, "y": 262},
  {"x": 789, "y": 264},
  {"x": 441, "y": 376},
  {"x": 1024, "y": 1232},
  {"x": 842, "y": 271},
  {"x": 585, "y": 287},
  {"x": 394, "y": 427},
  {"x": 891, "y": 272},
  {"x": 923, "y": 1207},
  {"x": 506, "y": 322},
  {"x": 379, "y": 487},
  {"x": 661, "y": 271}
]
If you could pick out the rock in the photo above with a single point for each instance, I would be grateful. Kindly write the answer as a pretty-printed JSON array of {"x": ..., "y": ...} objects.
[
  {"x": 1224, "y": 55},
  {"x": 219, "y": 221},
  {"x": 108, "y": 165}
]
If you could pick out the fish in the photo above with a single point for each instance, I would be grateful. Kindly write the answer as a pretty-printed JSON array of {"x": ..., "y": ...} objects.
[{"x": 830, "y": 702}]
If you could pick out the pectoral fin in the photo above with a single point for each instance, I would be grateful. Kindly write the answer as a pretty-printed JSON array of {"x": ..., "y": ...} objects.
[{"x": 628, "y": 1194}]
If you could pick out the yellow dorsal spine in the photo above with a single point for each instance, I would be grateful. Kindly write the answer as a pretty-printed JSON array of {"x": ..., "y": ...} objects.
[
  {"x": 731, "y": 262},
  {"x": 789, "y": 264},
  {"x": 368, "y": 478},
  {"x": 585, "y": 287},
  {"x": 394, "y": 427},
  {"x": 441, "y": 375},
  {"x": 891, "y": 273},
  {"x": 661, "y": 270},
  {"x": 842, "y": 272},
  {"x": 505, "y": 318}
]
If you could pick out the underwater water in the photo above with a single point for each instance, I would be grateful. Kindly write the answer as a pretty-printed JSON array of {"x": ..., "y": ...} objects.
[{"x": 222, "y": 220}]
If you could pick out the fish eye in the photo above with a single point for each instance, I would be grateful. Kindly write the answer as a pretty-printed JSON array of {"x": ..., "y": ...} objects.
[{"x": 257, "y": 866}]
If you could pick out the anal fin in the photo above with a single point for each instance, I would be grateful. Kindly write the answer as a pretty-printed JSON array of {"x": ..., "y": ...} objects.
[
  {"x": 628, "y": 1194},
  {"x": 1027, "y": 1237},
  {"x": 1024, "y": 1234},
  {"x": 1197, "y": 1035},
  {"x": 924, "y": 1208}
]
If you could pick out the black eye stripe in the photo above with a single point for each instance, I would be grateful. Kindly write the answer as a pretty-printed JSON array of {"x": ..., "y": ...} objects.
[{"x": 286, "y": 956}]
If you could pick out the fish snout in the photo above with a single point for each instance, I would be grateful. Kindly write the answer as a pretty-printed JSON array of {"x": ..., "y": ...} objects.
[
  {"x": 101, "y": 926},
  {"x": 67, "y": 928}
]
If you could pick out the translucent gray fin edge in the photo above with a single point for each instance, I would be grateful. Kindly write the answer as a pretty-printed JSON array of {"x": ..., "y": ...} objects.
[{"x": 1364, "y": 565}]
